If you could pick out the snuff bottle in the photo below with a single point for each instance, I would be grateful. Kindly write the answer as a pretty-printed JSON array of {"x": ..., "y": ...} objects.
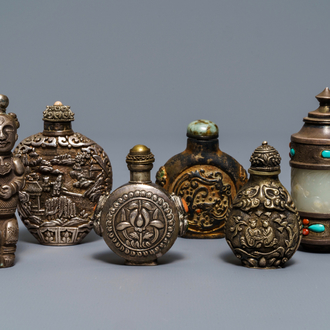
[
  {"x": 310, "y": 175},
  {"x": 66, "y": 173},
  {"x": 11, "y": 181},
  {"x": 140, "y": 221},
  {"x": 263, "y": 228},
  {"x": 206, "y": 178}
]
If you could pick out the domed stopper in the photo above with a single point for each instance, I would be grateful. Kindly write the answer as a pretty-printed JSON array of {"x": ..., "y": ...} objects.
[
  {"x": 202, "y": 129},
  {"x": 140, "y": 155},
  {"x": 58, "y": 113},
  {"x": 265, "y": 159},
  {"x": 4, "y": 102}
]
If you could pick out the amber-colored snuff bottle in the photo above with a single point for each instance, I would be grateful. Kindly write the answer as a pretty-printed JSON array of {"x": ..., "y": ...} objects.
[
  {"x": 66, "y": 173},
  {"x": 206, "y": 178}
]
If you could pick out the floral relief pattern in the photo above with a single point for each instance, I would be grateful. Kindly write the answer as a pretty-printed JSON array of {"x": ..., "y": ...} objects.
[
  {"x": 140, "y": 223},
  {"x": 142, "y": 230}
]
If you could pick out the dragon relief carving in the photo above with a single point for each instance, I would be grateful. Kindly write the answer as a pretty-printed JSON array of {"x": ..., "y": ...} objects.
[{"x": 207, "y": 196}]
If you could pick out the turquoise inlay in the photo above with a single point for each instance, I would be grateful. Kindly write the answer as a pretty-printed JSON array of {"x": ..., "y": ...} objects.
[
  {"x": 325, "y": 153},
  {"x": 202, "y": 128},
  {"x": 317, "y": 228},
  {"x": 292, "y": 152}
]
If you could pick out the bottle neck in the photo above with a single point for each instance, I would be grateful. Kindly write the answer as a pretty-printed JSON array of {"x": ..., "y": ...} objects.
[
  {"x": 139, "y": 173},
  {"x": 257, "y": 177},
  {"x": 207, "y": 145},
  {"x": 56, "y": 128}
]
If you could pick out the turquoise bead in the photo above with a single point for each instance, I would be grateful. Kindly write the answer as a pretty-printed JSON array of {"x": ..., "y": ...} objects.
[
  {"x": 316, "y": 228},
  {"x": 292, "y": 152},
  {"x": 202, "y": 129},
  {"x": 326, "y": 154}
]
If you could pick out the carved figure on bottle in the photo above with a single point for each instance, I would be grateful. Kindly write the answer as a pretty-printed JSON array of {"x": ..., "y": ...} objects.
[{"x": 11, "y": 181}]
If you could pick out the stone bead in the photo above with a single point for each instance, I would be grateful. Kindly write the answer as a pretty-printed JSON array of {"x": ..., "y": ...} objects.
[
  {"x": 203, "y": 129},
  {"x": 317, "y": 228}
]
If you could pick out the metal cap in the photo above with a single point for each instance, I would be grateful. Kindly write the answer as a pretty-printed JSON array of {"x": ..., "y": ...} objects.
[
  {"x": 202, "y": 129},
  {"x": 321, "y": 115},
  {"x": 58, "y": 113},
  {"x": 265, "y": 159},
  {"x": 140, "y": 155}
]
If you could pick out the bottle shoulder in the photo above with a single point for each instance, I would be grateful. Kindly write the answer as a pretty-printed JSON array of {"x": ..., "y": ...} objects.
[{"x": 187, "y": 159}]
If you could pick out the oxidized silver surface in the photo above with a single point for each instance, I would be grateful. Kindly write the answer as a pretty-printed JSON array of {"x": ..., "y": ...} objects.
[
  {"x": 140, "y": 221},
  {"x": 66, "y": 173},
  {"x": 11, "y": 181},
  {"x": 264, "y": 228}
]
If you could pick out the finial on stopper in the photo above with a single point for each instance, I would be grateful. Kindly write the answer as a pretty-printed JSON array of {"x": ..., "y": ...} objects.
[{"x": 4, "y": 102}]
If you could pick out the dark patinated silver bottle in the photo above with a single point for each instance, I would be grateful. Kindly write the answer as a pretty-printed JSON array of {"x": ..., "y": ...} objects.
[
  {"x": 140, "y": 221},
  {"x": 11, "y": 181},
  {"x": 66, "y": 173},
  {"x": 263, "y": 228}
]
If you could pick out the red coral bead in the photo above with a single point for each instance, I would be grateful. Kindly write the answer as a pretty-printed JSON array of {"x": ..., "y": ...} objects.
[
  {"x": 305, "y": 231},
  {"x": 305, "y": 222}
]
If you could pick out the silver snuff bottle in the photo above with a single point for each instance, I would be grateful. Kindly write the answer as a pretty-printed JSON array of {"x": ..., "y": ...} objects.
[
  {"x": 11, "y": 181},
  {"x": 263, "y": 228},
  {"x": 65, "y": 175},
  {"x": 140, "y": 221}
]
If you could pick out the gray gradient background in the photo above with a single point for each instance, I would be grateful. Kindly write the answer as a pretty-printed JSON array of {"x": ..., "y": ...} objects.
[{"x": 139, "y": 72}]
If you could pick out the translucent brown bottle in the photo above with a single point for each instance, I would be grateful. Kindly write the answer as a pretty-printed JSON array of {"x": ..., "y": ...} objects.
[{"x": 206, "y": 178}]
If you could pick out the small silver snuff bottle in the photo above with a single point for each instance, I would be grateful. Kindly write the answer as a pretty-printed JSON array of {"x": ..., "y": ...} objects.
[
  {"x": 263, "y": 228},
  {"x": 140, "y": 221}
]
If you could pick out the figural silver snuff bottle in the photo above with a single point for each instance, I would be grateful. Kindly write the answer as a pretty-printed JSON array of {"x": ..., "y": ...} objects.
[
  {"x": 206, "y": 178},
  {"x": 66, "y": 173},
  {"x": 140, "y": 220},
  {"x": 11, "y": 181},
  {"x": 263, "y": 228}
]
